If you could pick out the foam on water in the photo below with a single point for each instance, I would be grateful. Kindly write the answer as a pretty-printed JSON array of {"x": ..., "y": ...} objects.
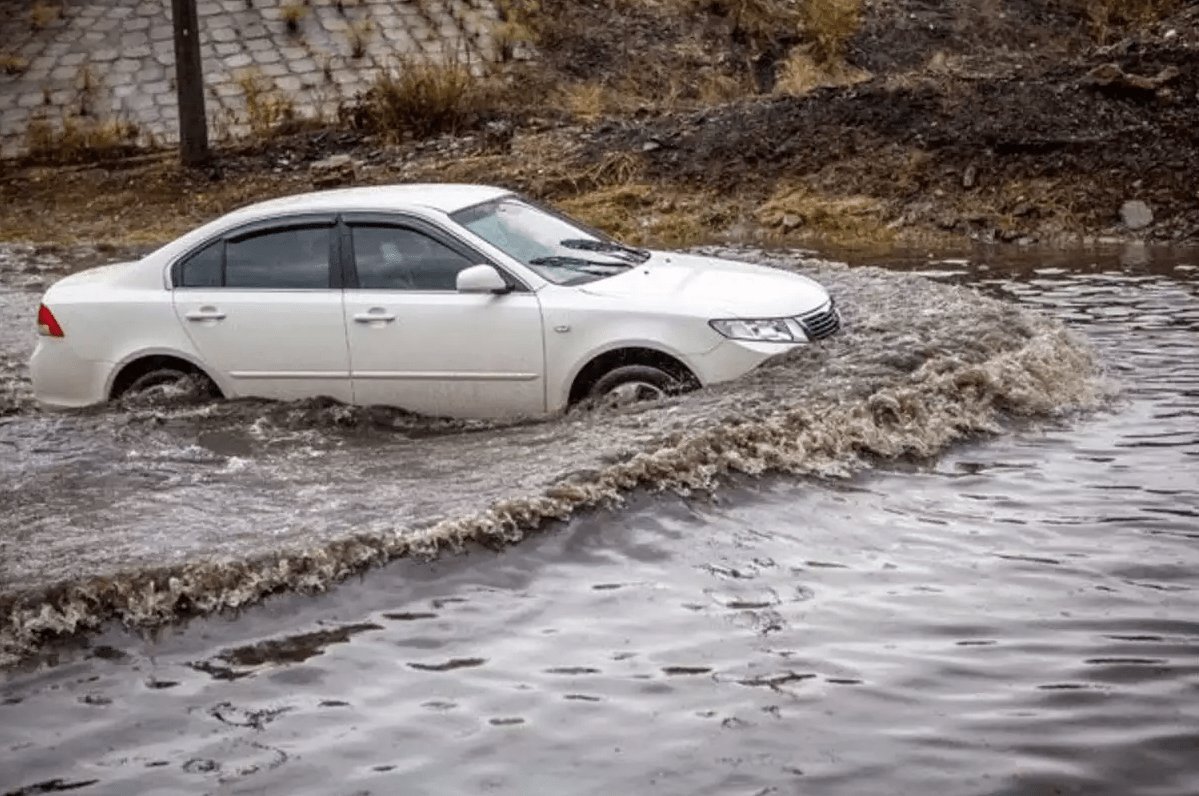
[{"x": 296, "y": 497}]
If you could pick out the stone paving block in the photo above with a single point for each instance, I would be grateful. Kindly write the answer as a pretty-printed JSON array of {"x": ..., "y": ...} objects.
[
  {"x": 140, "y": 102},
  {"x": 149, "y": 73},
  {"x": 62, "y": 73},
  {"x": 128, "y": 48},
  {"x": 289, "y": 83},
  {"x": 135, "y": 39}
]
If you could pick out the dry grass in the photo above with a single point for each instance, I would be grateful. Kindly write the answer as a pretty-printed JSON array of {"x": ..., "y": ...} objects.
[
  {"x": 43, "y": 15},
  {"x": 1107, "y": 16},
  {"x": 800, "y": 73},
  {"x": 293, "y": 13},
  {"x": 828, "y": 25},
  {"x": 800, "y": 210},
  {"x": 359, "y": 35},
  {"x": 761, "y": 20},
  {"x": 12, "y": 64},
  {"x": 75, "y": 139},
  {"x": 421, "y": 98},
  {"x": 593, "y": 100},
  {"x": 644, "y": 213},
  {"x": 521, "y": 22},
  {"x": 268, "y": 113}
]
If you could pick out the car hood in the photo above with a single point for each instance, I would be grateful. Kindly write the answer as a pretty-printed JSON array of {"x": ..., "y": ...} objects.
[{"x": 722, "y": 288}]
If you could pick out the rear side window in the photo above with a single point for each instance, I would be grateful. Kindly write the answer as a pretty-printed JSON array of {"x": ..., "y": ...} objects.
[
  {"x": 203, "y": 269},
  {"x": 288, "y": 259},
  {"x": 398, "y": 258}
]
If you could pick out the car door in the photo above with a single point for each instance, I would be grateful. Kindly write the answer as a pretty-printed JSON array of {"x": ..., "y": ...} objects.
[
  {"x": 263, "y": 308},
  {"x": 417, "y": 343}
]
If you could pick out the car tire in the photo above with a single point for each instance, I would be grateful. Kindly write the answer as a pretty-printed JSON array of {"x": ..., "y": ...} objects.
[
  {"x": 633, "y": 384},
  {"x": 160, "y": 377}
]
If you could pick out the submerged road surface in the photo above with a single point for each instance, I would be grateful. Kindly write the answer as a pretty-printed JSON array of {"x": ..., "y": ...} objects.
[{"x": 1012, "y": 614}]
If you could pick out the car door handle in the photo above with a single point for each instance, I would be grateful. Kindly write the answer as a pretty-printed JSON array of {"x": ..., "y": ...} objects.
[
  {"x": 373, "y": 315},
  {"x": 205, "y": 314}
]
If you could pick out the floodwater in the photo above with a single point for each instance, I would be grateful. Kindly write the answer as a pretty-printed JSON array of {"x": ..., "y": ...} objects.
[{"x": 954, "y": 550}]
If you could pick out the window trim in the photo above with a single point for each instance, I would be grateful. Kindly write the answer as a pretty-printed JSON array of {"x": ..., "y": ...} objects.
[
  {"x": 347, "y": 221},
  {"x": 263, "y": 227}
]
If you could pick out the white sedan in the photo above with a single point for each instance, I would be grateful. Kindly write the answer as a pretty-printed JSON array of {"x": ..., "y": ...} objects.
[{"x": 450, "y": 300}]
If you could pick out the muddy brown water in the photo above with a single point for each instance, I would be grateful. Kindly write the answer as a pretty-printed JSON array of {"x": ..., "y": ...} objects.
[{"x": 953, "y": 551}]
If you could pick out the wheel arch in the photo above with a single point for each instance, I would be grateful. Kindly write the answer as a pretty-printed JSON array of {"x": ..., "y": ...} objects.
[
  {"x": 133, "y": 365},
  {"x": 601, "y": 361}
]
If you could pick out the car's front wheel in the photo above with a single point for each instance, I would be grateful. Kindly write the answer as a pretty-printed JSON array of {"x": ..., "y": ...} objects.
[{"x": 630, "y": 384}]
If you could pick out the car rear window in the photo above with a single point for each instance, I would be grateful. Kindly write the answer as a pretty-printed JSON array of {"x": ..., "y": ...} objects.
[
  {"x": 288, "y": 259},
  {"x": 203, "y": 269}
]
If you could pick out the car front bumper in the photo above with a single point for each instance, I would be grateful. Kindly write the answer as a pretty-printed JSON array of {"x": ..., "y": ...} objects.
[{"x": 732, "y": 359}]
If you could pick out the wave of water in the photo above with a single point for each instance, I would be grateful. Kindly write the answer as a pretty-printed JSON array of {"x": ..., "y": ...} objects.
[{"x": 246, "y": 499}]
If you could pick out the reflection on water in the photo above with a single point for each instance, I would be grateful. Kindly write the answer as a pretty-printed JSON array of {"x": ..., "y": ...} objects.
[{"x": 1018, "y": 615}]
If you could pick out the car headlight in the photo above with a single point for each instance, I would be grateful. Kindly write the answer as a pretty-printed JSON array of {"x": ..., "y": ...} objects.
[{"x": 761, "y": 330}]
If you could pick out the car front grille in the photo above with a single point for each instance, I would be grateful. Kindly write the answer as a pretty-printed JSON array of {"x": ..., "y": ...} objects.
[{"x": 821, "y": 323}]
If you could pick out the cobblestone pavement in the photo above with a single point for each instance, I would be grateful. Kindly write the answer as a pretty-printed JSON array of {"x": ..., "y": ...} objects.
[{"x": 114, "y": 60}]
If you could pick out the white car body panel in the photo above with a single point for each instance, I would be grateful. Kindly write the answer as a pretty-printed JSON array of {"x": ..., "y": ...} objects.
[
  {"x": 445, "y": 353},
  {"x": 280, "y": 344}
]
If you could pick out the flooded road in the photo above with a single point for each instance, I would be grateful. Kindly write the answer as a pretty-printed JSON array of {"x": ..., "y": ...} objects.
[{"x": 1011, "y": 614}]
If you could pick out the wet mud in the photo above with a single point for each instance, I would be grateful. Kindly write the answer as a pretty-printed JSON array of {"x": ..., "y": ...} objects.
[{"x": 149, "y": 513}]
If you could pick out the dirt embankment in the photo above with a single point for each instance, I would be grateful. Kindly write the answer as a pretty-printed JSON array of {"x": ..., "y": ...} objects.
[{"x": 675, "y": 121}]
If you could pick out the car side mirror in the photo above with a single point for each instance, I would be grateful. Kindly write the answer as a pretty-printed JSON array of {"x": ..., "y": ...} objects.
[{"x": 481, "y": 279}]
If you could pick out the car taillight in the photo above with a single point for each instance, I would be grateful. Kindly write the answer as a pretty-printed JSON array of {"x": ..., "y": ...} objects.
[{"x": 47, "y": 324}]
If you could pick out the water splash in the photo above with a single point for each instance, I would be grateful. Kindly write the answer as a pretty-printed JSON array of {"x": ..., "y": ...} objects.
[{"x": 920, "y": 366}]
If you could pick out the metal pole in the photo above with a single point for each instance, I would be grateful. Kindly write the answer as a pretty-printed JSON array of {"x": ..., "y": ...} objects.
[{"x": 189, "y": 84}]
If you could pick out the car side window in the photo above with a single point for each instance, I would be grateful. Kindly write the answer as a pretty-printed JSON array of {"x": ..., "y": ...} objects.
[
  {"x": 288, "y": 259},
  {"x": 399, "y": 258},
  {"x": 203, "y": 269}
]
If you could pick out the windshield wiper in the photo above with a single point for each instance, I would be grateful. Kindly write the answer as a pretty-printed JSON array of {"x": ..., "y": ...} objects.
[
  {"x": 606, "y": 247},
  {"x": 580, "y": 264}
]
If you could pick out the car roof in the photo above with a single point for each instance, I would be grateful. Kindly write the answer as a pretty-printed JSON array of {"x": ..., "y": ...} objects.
[{"x": 445, "y": 197}]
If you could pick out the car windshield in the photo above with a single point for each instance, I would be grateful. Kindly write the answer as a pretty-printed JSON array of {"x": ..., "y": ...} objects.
[{"x": 563, "y": 251}]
